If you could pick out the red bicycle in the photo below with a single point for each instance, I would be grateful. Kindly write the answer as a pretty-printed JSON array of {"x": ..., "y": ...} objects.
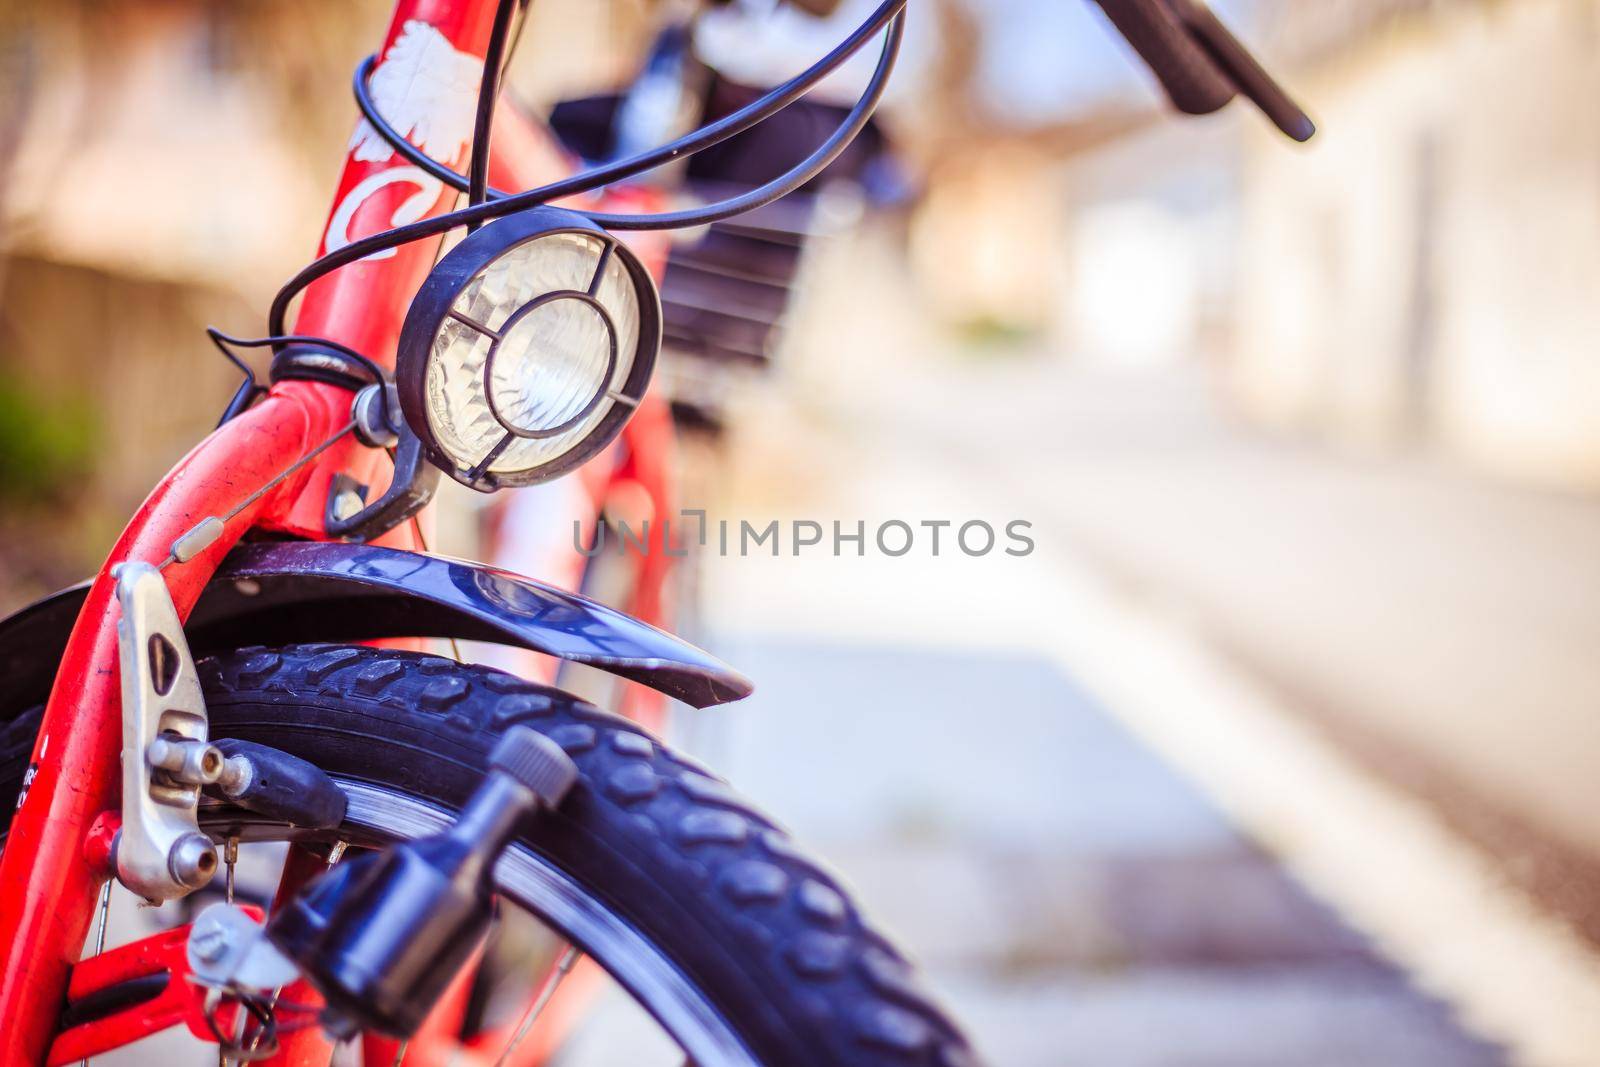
[{"x": 247, "y": 669}]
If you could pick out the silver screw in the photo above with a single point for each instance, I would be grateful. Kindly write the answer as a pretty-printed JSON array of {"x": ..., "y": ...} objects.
[{"x": 210, "y": 942}]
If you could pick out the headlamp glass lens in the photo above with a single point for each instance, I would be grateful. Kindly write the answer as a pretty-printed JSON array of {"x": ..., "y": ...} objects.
[
  {"x": 550, "y": 366},
  {"x": 531, "y": 350}
]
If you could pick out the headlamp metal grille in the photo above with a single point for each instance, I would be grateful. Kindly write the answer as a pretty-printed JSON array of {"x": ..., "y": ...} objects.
[{"x": 435, "y": 304}]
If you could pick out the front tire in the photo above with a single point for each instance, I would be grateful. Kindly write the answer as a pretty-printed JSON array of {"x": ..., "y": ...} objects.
[{"x": 774, "y": 946}]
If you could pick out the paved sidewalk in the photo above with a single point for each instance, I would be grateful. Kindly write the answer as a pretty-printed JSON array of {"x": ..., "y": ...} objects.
[
  {"x": 1442, "y": 625},
  {"x": 1074, "y": 898}
]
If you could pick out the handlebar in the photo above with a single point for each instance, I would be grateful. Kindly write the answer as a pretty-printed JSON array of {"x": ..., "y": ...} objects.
[{"x": 1200, "y": 63}]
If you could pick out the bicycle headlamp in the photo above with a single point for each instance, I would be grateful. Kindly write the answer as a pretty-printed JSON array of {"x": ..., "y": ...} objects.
[{"x": 527, "y": 349}]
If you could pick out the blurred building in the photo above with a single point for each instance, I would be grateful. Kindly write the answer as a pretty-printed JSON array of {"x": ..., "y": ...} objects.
[
  {"x": 163, "y": 167},
  {"x": 1426, "y": 272},
  {"x": 1421, "y": 275}
]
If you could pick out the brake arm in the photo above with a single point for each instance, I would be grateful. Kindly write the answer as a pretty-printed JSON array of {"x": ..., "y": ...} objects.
[{"x": 166, "y": 755}]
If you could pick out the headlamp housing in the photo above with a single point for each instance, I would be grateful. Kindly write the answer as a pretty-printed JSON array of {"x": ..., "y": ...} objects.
[{"x": 527, "y": 349}]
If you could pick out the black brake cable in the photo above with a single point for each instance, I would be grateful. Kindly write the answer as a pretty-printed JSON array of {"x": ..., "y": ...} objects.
[
  {"x": 890, "y": 14},
  {"x": 494, "y": 60},
  {"x": 248, "y": 389},
  {"x": 251, "y": 387},
  {"x": 712, "y": 133},
  {"x": 334, "y": 348},
  {"x": 825, "y": 153}
]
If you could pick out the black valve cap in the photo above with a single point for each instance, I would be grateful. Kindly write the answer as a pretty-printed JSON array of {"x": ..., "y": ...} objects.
[{"x": 535, "y": 761}]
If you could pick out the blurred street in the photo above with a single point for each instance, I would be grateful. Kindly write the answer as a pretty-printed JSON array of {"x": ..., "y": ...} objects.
[
  {"x": 1444, "y": 624},
  {"x": 1085, "y": 905}
]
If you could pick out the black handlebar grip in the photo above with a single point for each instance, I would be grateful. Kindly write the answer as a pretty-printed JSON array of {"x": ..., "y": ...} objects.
[
  {"x": 1244, "y": 70},
  {"x": 1187, "y": 72}
]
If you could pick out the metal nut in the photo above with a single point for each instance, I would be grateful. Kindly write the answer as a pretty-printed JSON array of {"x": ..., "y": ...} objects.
[
  {"x": 192, "y": 861},
  {"x": 188, "y": 761}
]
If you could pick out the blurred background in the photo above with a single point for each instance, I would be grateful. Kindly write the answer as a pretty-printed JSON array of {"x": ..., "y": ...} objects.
[{"x": 1280, "y": 747}]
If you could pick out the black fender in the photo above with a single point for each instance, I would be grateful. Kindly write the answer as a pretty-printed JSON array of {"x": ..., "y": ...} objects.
[{"x": 280, "y": 593}]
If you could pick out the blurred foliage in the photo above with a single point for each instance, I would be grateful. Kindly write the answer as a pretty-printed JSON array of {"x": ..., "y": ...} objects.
[
  {"x": 993, "y": 334},
  {"x": 47, "y": 444}
]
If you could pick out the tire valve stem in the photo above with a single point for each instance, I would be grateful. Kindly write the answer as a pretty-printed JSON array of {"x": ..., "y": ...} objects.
[{"x": 383, "y": 935}]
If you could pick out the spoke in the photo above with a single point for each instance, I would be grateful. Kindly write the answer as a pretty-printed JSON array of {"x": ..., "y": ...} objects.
[
  {"x": 335, "y": 854},
  {"x": 104, "y": 910},
  {"x": 100, "y": 925},
  {"x": 563, "y": 968},
  {"x": 230, "y": 856}
]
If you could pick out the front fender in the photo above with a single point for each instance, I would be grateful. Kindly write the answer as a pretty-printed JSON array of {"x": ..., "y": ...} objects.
[{"x": 290, "y": 592}]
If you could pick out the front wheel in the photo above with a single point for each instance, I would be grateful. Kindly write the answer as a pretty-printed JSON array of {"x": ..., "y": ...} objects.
[{"x": 744, "y": 950}]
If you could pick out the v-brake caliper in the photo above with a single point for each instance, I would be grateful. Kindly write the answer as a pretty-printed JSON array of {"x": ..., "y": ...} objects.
[{"x": 167, "y": 757}]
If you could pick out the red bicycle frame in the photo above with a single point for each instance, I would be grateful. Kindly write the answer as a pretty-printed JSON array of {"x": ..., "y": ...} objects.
[{"x": 55, "y": 859}]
